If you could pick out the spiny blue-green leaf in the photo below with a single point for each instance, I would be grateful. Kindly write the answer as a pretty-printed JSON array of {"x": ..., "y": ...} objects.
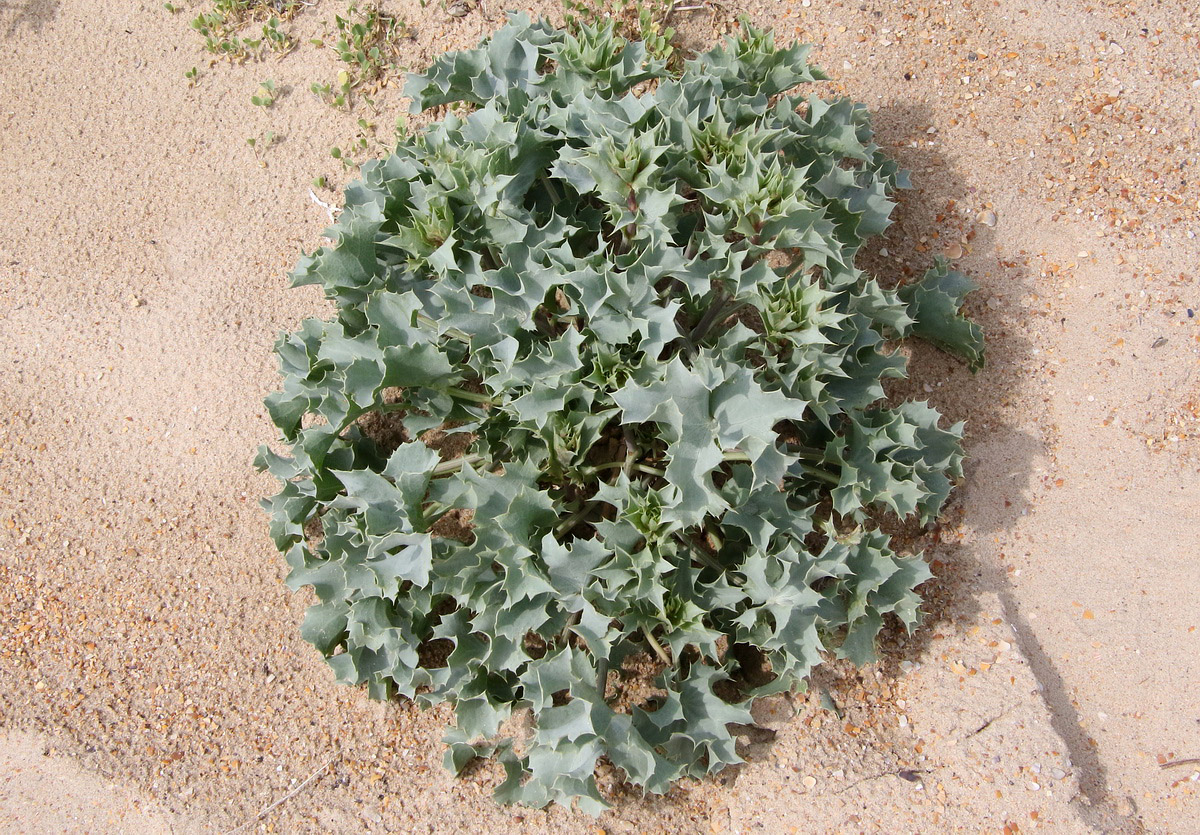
[{"x": 934, "y": 304}]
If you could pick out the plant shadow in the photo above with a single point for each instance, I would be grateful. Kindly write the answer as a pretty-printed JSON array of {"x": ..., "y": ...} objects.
[
  {"x": 27, "y": 14},
  {"x": 938, "y": 216}
]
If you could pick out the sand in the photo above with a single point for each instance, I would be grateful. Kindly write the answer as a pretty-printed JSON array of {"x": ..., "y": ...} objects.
[{"x": 151, "y": 674}]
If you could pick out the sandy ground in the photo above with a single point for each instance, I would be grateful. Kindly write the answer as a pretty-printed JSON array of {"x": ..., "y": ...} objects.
[{"x": 151, "y": 673}]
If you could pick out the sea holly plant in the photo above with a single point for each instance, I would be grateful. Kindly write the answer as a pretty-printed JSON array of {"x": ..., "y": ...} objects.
[{"x": 604, "y": 400}]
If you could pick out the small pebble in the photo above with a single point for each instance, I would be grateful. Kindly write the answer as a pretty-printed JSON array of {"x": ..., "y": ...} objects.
[
  {"x": 987, "y": 217},
  {"x": 953, "y": 251},
  {"x": 1032, "y": 786},
  {"x": 809, "y": 781},
  {"x": 883, "y": 250},
  {"x": 1057, "y": 773}
]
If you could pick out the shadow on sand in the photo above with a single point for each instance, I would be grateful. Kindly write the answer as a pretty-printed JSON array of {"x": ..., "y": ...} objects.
[{"x": 24, "y": 16}]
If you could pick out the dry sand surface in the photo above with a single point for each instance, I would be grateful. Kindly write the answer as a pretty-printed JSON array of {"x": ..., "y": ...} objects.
[{"x": 151, "y": 673}]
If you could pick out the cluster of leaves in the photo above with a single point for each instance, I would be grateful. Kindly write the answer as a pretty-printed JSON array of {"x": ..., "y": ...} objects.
[
  {"x": 632, "y": 384},
  {"x": 222, "y": 27},
  {"x": 367, "y": 42},
  {"x": 633, "y": 20}
]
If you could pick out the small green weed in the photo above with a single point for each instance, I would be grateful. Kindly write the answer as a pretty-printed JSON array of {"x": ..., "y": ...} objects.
[
  {"x": 260, "y": 144},
  {"x": 277, "y": 40},
  {"x": 334, "y": 96},
  {"x": 222, "y": 27},
  {"x": 367, "y": 143},
  {"x": 267, "y": 94},
  {"x": 367, "y": 41},
  {"x": 347, "y": 163}
]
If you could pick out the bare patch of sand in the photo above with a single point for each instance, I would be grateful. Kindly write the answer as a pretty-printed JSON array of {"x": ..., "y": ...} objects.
[{"x": 42, "y": 790}]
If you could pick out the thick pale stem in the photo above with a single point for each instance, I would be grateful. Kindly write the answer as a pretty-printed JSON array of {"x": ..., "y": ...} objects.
[
  {"x": 471, "y": 396},
  {"x": 631, "y": 451},
  {"x": 555, "y": 197},
  {"x": 824, "y": 475},
  {"x": 610, "y": 465},
  {"x": 571, "y": 621},
  {"x": 657, "y": 647},
  {"x": 575, "y": 518},
  {"x": 706, "y": 321},
  {"x": 701, "y": 555},
  {"x": 736, "y": 455},
  {"x": 602, "y": 677},
  {"x": 456, "y": 464},
  {"x": 453, "y": 333}
]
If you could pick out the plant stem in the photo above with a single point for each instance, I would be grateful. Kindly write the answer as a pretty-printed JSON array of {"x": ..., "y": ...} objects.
[
  {"x": 609, "y": 465},
  {"x": 720, "y": 310},
  {"x": 803, "y": 452},
  {"x": 701, "y": 555},
  {"x": 453, "y": 333},
  {"x": 456, "y": 464},
  {"x": 626, "y": 464},
  {"x": 662, "y": 653},
  {"x": 473, "y": 396},
  {"x": 706, "y": 321},
  {"x": 642, "y": 468},
  {"x": 571, "y": 621},
  {"x": 631, "y": 450},
  {"x": 807, "y": 452},
  {"x": 550, "y": 188},
  {"x": 575, "y": 518},
  {"x": 824, "y": 475},
  {"x": 602, "y": 676}
]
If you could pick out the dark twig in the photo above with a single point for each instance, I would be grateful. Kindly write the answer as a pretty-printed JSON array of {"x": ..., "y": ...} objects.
[{"x": 989, "y": 722}]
